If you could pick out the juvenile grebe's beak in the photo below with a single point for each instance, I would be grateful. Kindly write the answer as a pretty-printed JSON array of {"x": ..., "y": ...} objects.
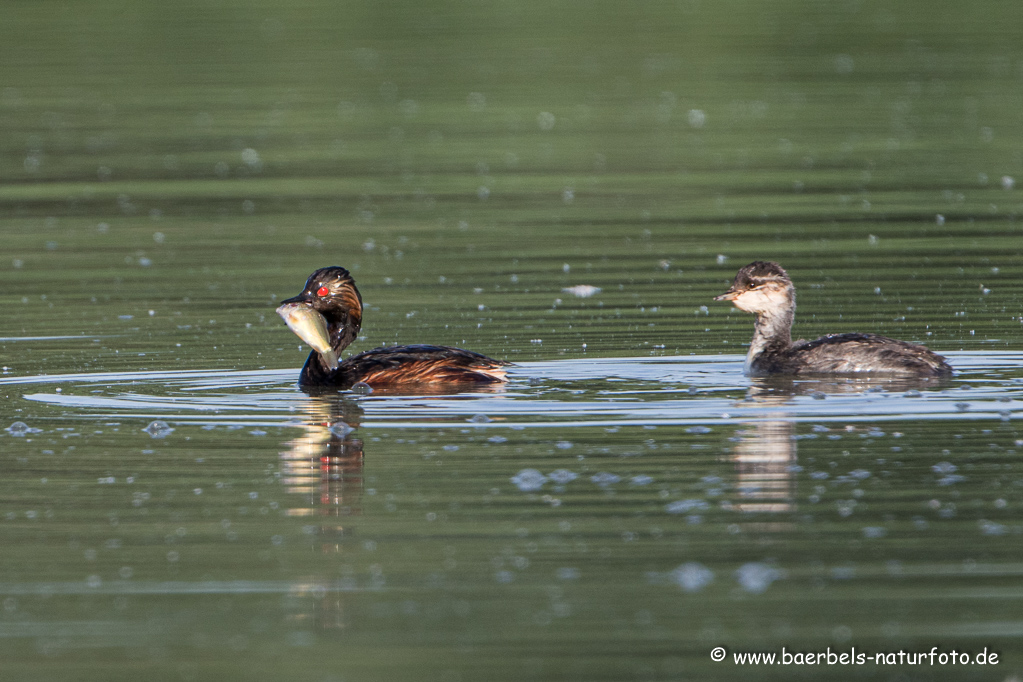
[
  {"x": 310, "y": 326},
  {"x": 729, "y": 295}
]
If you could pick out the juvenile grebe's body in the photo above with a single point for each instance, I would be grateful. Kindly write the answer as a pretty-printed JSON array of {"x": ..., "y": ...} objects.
[
  {"x": 328, "y": 315},
  {"x": 764, "y": 289}
]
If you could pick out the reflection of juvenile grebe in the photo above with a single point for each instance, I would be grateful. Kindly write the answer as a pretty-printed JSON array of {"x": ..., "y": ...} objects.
[
  {"x": 765, "y": 290},
  {"x": 328, "y": 314}
]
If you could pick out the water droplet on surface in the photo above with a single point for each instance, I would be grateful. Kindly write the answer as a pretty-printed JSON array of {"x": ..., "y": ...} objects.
[
  {"x": 692, "y": 576},
  {"x": 158, "y": 429},
  {"x": 340, "y": 429},
  {"x": 605, "y": 478},
  {"x": 582, "y": 290},
  {"x": 685, "y": 506},
  {"x": 545, "y": 120},
  {"x": 562, "y": 476},
  {"x": 756, "y": 577},
  {"x": 21, "y": 429},
  {"x": 529, "y": 480}
]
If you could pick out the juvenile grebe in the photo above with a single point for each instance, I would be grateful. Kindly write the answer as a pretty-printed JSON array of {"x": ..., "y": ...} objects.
[
  {"x": 764, "y": 289},
  {"x": 328, "y": 314}
]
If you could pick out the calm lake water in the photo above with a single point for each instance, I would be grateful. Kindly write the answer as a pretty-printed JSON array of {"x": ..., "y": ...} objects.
[{"x": 563, "y": 187}]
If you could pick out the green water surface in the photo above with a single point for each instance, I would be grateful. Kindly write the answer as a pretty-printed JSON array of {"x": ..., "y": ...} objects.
[{"x": 169, "y": 171}]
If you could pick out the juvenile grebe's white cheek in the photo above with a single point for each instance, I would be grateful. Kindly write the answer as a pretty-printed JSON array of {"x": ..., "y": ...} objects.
[{"x": 754, "y": 301}]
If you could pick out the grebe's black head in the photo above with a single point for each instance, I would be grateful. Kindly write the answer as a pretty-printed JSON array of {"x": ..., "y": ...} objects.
[
  {"x": 761, "y": 287},
  {"x": 331, "y": 292}
]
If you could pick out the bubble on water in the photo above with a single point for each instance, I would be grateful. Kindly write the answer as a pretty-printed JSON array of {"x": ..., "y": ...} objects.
[
  {"x": 844, "y": 64},
  {"x": 340, "y": 429},
  {"x": 483, "y": 193},
  {"x": 605, "y": 478},
  {"x": 250, "y": 157},
  {"x": 477, "y": 101},
  {"x": 158, "y": 429},
  {"x": 504, "y": 577},
  {"x": 692, "y": 576},
  {"x": 545, "y": 120},
  {"x": 1008, "y": 182},
  {"x": 21, "y": 429},
  {"x": 860, "y": 474},
  {"x": 564, "y": 445},
  {"x": 992, "y": 528},
  {"x": 951, "y": 479},
  {"x": 480, "y": 419},
  {"x": 562, "y": 476},
  {"x": 944, "y": 468},
  {"x": 756, "y": 577},
  {"x": 450, "y": 448},
  {"x": 568, "y": 573},
  {"x": 362, "y": 388},
  {"x": 582, "y": 290},
  {"x": 699, "y": 429},
  {"x": 529, "y": 480},
  {"x": 641, "y": 479},
  {"x": 697, "y": 118},
  {"x": 685, "y": 506},
  {"x": 939, "y": 219},
  {"x": 874, "y": 532},
  {"x": 497, "y": 439},
  {"x": 845, "y": 507}
]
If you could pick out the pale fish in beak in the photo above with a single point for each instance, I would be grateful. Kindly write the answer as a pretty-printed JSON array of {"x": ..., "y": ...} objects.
[{"x": 311, "y": 327}]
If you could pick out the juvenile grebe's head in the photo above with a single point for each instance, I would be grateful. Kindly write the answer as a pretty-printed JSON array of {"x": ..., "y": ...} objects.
[{"x": 761, "y": 287}]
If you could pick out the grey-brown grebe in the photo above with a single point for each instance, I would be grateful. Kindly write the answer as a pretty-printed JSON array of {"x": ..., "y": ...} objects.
[
  {"x": 764, "y": 289},
  {"x": 328, "y": 314}
]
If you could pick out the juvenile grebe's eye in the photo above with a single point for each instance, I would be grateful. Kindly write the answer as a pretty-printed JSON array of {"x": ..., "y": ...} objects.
[{"x": 322, "y": 291}]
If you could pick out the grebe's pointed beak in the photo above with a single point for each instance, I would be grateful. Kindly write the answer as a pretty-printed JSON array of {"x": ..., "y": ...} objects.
[
  {"x": 729, "y": 295},
  {"x": 301, "y": 298}
]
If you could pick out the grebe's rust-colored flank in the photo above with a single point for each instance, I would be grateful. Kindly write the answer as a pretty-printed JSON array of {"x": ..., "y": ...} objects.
[
  {"x": 764, "y": 289},
  {"x": 328, "y": 315}
]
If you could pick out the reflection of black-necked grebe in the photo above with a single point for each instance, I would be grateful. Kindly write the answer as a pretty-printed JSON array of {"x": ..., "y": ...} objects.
[
  {"x": 765, "y": 290},
  {"x": 327, "y": 315}
]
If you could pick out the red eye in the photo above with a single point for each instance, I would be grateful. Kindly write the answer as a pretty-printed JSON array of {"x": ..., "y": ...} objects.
[{"x": 322, "y": 291}]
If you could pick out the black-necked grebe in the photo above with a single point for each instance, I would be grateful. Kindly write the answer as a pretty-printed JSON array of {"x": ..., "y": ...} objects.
[
  {"x": 328, "y": 314},
  {"x": 764, "y": 289}
]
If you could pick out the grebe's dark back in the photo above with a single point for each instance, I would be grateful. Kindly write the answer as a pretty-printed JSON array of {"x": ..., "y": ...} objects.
[
  {"x": 764, "y": 289},
  {"x": 328, "y": 315}
]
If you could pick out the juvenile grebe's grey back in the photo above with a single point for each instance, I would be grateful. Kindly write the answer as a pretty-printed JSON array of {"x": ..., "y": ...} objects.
[
  {"x": 328, "y": 315},
  {"x": 764, "y": 289}
]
